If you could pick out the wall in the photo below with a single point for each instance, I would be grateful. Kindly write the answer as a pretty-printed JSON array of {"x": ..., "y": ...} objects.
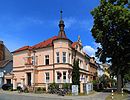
[{"x": 18, "y": 58}]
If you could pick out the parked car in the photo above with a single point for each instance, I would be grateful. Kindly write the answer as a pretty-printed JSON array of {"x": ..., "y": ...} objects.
[{"x": 7, "y": 86}]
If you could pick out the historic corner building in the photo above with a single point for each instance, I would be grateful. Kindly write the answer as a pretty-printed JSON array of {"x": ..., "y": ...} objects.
[{"x": 51, "y": 61}]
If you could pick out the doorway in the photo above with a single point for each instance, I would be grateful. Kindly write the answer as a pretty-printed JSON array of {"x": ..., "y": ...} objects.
[
  {"x": 8, "y": 81},
  {"x": 29, "y": 79}
]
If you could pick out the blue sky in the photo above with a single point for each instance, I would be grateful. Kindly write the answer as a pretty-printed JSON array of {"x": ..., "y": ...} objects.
[{"x": 27, "y": 22}]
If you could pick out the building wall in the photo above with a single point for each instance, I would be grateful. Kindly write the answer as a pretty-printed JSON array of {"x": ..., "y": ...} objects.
[
  {"x": 7, "y": 69},
  {"x": 41, "y": 53},
  {"x": 60, "y": 45},
  {"x": 19, "y": 58}
]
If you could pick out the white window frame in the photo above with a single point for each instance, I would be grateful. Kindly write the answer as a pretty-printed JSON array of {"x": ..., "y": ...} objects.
[
  {"x": 57, "y": 57},
  {"x": 47, "y": 76},
  {"x": 47, "y": 58},
  {"x": 64, "y": 57},
  {"x": 64, "y": 75}
]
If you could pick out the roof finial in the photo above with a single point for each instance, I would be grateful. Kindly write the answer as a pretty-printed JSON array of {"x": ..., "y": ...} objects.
[
  {"x": 61, "y": 26},
  {"x": 61, "y": 14}
]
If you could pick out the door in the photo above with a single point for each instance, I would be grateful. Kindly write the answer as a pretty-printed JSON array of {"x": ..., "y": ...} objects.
[
  {"x": 8, "y": 81},
  {"x": 29, "y": 79}
]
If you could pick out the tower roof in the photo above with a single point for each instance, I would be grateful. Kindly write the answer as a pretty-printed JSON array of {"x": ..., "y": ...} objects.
[{"x": 61, "y": 26}]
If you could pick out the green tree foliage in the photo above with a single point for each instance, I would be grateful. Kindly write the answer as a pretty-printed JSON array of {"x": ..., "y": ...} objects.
[
  {"x": 112, "y": 30},
  {"x": 127, "y": 76},
  {"x": 75, "y": 73}
]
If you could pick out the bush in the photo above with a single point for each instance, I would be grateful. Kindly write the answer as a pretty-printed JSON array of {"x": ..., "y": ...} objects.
[
  {"x": 10, "y": 88},
  {"x": 26, "y": 90},
  {"x": 40, "y": 90},
  {"x": 67, "y": 86},
  {"x": 53, "y": 86}
]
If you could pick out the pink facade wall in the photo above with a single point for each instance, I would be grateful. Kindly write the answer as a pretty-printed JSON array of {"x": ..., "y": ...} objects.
[{"x": 20, "y": 69}]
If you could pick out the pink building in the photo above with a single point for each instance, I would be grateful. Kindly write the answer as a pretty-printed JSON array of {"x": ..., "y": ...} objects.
[{"x": 50, "y": 61}]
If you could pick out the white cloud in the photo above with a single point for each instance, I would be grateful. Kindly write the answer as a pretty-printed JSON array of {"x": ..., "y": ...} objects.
[{"x": 89, "y": 50}]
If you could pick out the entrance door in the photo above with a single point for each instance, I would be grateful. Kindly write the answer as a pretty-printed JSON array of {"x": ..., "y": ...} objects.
[
  {"x": 8, "y": 81},
  {"x": 29, "y": 79}
]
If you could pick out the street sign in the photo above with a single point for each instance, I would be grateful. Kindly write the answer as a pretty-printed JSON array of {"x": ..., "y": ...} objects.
[
  {"x": 1, "y": 74},
  {"x": 75, "y": 90}
]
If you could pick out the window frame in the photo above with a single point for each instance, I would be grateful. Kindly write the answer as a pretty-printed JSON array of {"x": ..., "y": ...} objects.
[
  {"x": 47, "y": 76},
  {"x": 57, "y": 57},
  {"x": 47, "y": 60},
  {"x": 58, "y": 76},
  {"x": 64, "y": 57},
  {"x": 64, "y": 75}
]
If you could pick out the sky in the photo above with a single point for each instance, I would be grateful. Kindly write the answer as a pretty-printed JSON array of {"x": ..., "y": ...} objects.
[{"x": 28, "y": 22}]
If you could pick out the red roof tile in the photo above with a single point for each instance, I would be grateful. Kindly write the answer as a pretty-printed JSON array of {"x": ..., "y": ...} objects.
[
  {"x": 39, "y": 45},
  {"x": 22, "y": 48},
  {"x": 44, "y": 43},
  {"x": 74, "y": 44}
]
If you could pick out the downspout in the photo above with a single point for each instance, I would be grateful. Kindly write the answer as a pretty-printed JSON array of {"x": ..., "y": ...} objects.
[{"x": 53, "y": 66}]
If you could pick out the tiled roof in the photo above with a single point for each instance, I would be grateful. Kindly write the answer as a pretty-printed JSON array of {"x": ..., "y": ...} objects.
[
  {"x": 44, "y": 43},
  {"x": 74, "y": 44},
  {"x": 22, "y": 49},
  {"x": 3, "y": 63},
  {"x": 39, "y": 45}
]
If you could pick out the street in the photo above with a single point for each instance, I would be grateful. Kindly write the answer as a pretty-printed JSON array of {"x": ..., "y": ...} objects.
[
  {"x": 21, "y": 97},
  {"x": 28, "y": 96}
]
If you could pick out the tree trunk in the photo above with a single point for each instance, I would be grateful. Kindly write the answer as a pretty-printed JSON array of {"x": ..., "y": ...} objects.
[{"x": 119, "y": 82}]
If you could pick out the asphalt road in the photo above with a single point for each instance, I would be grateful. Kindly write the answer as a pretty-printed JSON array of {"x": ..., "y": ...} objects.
[
  {"x": 97, "y": 96},
  {"x": 22, "y": 97}
]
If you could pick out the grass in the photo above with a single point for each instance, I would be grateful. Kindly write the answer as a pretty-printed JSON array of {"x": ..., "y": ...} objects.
[
  {"x": 83, "y": 94},
  {"x": 117, "y": 96}
]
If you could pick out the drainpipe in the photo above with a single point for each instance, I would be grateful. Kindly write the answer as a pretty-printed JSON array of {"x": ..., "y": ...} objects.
[
  {"x": 34, "y": 69},
  {"x": 53, "y": 67}
]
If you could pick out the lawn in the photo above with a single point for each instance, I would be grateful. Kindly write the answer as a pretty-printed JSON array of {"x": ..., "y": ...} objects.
[{"x": 117, "y": 96}]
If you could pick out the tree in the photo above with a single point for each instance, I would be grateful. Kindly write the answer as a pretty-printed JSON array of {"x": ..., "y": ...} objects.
[
  {"x": 76, "y": 73},
  {"x": 112, "y": 30}
]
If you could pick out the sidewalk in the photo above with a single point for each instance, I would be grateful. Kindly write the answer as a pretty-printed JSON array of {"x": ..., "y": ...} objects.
[{"x": 95, "y": 96}]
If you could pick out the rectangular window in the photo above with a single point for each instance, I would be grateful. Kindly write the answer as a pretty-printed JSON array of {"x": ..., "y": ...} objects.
[
  {"x": 69, "y": 58},
  {"x": 47, "y": 77},
  {"x": 64, "y": 57},
  {"x": 58, "y": 75},
  {"x": 33, "y": 60},
  {"x": 57, "y": 57},
  {"x": 47, "y": 59},
  {"x": 64, "y": 75}
]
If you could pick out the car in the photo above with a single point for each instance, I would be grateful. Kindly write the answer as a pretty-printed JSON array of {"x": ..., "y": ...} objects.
[{"x": 7, "y": 86}]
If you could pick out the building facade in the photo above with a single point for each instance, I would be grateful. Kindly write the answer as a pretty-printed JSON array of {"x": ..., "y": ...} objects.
[
  {"x": 6, "y": 64},
  {"x": 50, "y": 61}
]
